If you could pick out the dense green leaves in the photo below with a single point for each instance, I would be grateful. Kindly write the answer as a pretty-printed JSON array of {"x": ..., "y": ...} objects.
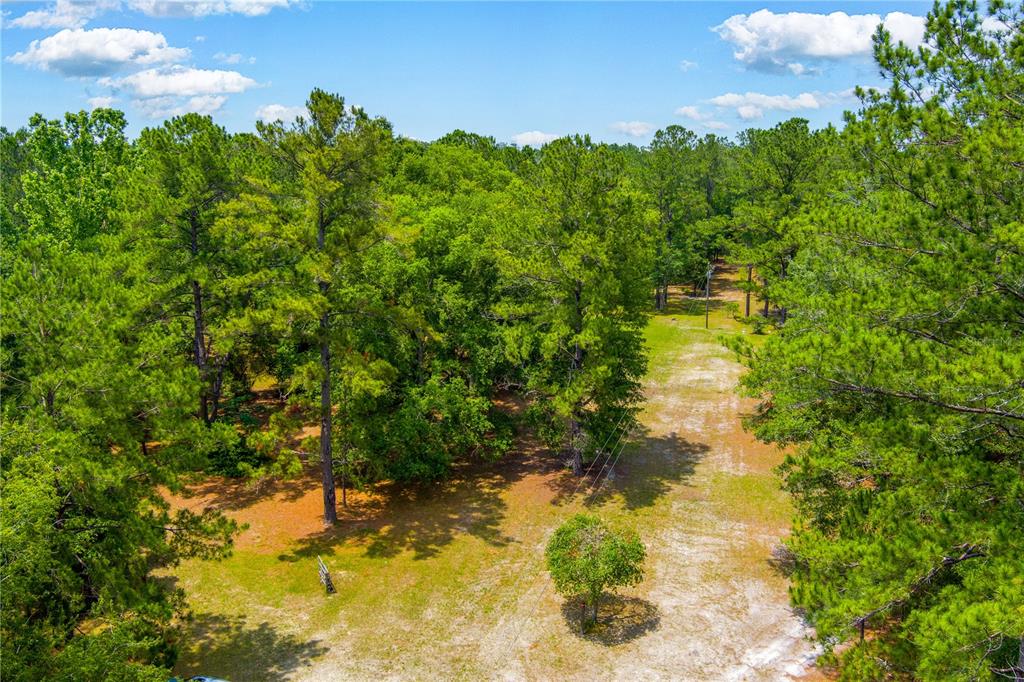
[
  {"x": 586, "y": 557},
  {"x": 577, "y": 257},
  {"x": 899, "y": 370}
]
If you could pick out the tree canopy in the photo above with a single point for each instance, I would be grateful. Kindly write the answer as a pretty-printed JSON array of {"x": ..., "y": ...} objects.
[{"x": 185, "y": 303}]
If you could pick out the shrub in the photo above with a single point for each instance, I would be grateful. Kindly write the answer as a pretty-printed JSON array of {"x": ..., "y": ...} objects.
[{"x": 585, "y": 557}]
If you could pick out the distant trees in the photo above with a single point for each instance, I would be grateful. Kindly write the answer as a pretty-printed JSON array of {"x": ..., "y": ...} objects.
[
  {"x": 692, "y": 183},
  {"x": 585, "y": 557},
  {"x": 899, "y": 370},
  {"x": 577, "y": 258},
  {"x": 785, "y": 169}
]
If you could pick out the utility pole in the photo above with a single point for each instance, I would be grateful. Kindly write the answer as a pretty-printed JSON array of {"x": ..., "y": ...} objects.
[{"x": 707, "y": 293}]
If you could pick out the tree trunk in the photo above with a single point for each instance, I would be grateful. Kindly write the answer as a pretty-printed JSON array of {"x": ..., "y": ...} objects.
[
  {"x": 707, "y": 298},
  {"x": 326, "y": 462},
  {"x": 574, "y": 447},
  {"x": 750, "y": 273},
  {"x": 575, "y": 429},
  {"x": 344, "y": 477},
  {"x": 199, "y": 331},
  {"x": 199, "y": 348},
  {"x": 218, "y": 387},
  {"x": 326, "y": 453},
  {"x": 1018, "y": 674}
]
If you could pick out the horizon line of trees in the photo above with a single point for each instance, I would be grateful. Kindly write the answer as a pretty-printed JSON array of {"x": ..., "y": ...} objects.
[{"x": 390, "y": 290}]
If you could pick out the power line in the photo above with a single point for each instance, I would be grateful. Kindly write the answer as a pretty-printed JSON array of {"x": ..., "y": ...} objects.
[
  {"x": 619, "y": 440},
  {"x": 519, "y": 630}
]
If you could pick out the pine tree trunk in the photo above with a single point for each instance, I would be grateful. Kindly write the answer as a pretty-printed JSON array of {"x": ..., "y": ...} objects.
[
  {"x": 218, "y": 388},
  {"x": 344, "y": 477},
  {"x": 750, "y": 272},
  {"x": 575, "y": 450},
  {"x": 326, "y": 452},
  {"x": 326, "y": 462},
  {"x": 575, "y": 429},
  {"x": 1018, "y": 674},
  {"x": 199, "y": 331},
  {"x": 199, "y": 348}
]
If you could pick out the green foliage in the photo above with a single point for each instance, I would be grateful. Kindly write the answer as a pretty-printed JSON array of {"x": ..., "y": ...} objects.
[
  {"x": 898, "y": 372},
  {"x": 691, "y": 182},
  {"x": 585, "y": 557},
  {"x": 74, "y": 171},
  {"x": 94, "y": 421},
  {"x": 182, "y": 179},
  {"x": 787, "y": 168},
  {"x": 577, "y": 259}
]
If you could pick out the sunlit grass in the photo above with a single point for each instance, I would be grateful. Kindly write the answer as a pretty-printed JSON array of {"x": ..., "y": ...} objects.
[{"x": 417, "y": 591}]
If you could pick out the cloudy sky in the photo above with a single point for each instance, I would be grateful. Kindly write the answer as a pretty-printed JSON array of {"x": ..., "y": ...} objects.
[{"x": 520, "y": 72}]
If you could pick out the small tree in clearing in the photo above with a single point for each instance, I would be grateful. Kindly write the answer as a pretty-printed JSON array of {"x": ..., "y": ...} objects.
[{"x": 585, "y": 556}]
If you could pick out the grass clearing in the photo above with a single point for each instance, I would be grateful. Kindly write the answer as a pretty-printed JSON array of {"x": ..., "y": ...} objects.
[{"x": 447, "y": 582}]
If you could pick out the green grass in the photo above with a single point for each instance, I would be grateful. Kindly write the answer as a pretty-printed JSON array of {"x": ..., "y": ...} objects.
[{"x": 420, "y": 591}]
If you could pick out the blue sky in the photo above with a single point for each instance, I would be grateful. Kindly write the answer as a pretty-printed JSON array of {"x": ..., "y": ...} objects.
[{"x": 520, "y": 72}]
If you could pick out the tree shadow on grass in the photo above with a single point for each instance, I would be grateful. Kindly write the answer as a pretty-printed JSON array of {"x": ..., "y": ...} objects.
[
  {"x": 233, "y": 494},
  {"x": 232, "y": 648},
  {"x": 782, "y": 560},
  {"x": 619, "y": 619},
  {"x": 424, "y": 518},
  {"x": 647, "y": 469}
]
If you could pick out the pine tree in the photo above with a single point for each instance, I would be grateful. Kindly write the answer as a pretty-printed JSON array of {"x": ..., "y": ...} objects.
[
  {"x": 329, "y": 167},
  {"x": 577, "y": 255},
  {"x": 899, "y": 372},
  {"x": 182, "y": 179}
]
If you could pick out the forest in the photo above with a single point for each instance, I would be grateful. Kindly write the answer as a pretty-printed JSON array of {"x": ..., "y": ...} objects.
[{"x": 179, "y": 305}]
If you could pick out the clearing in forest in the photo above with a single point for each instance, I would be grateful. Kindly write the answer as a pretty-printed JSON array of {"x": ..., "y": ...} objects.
[{"x": 447, "y": 581}]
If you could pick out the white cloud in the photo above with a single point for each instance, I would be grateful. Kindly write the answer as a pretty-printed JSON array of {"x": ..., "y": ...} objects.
[
  {"x": 279, "y": 112},
  {"x": 704, "y": 119},
  {"x": 632, "y": 128},
  {"x": 101, "y": 102},
  {"x": 166, "y": 107},
  {"x": 77, "y": 13},
  {"x": 181, "y": 81},
  {"x": 993, "y": 25},
  {"x": 64, "y": 14},
  {"x": 99, "y": 51},
  {"x": 233, "y": 58},
  {"x": 687, "y": 65},
  {"x": 533, "y": 138},
  {"x": 691, "y": 112},
  {"x": 777, "y": 42},
  {"x": 200, "y": 39},
  {"x": 159, "y": 93},
  {"x": 752, "y": 105},
  {"x": 203, "y": 8}
]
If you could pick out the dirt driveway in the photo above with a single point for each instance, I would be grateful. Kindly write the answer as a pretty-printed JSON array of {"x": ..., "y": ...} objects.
[{"x": 448, "y": 582}]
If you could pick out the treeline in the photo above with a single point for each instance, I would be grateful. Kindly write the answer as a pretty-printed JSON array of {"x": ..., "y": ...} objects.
[
  {"x": 385, "y": 288},
  {"x": 184, "y": 302}
]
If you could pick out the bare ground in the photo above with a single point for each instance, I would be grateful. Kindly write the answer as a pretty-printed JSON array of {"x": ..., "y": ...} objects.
[{"x": 447, "y": 582}]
